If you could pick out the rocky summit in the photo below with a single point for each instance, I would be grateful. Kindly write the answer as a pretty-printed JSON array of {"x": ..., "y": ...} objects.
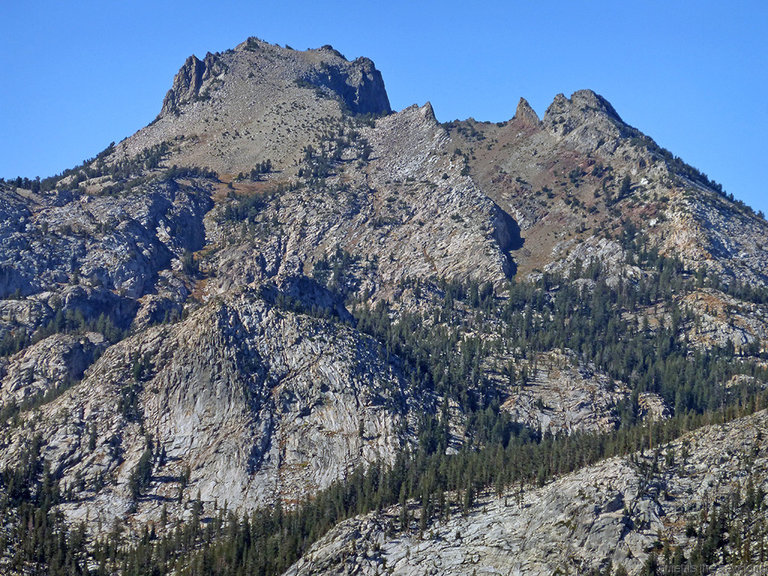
[{"x": 286, "y": 329}]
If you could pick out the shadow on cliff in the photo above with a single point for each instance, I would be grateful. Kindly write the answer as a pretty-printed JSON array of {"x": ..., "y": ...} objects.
[
  {"x": 307, "y": 296},
  {"x": 506, "y": 231}
]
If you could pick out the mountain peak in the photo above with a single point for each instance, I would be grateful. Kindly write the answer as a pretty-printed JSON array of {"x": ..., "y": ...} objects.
[
  {"x": 357, "y": 84},
  {"x": 231, "y": 110},
  {"x": 189, "y": 80},
  {"x": 428, "y": 112},
  {"x": 588, "y": 99},
  {"x": 581, "y": 107},
  {"x": 332, "y": 50},
  {"x": 251, "y": 43},
  {"x": 586, "y": 114},
  {"x": 525, "y": 113}
]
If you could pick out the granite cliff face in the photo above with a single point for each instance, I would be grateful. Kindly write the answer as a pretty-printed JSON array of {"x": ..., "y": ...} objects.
[
  {"x": 247, "y": 403},
  {"x": 280, "y": 280}
]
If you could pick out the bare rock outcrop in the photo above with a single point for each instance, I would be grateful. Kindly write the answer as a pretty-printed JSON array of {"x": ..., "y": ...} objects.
[
  {"x": 525, "y": 113},
  {"x": 248, "y": 404},
  {"x": 95, "y": 255},
  {"x": 192, "y": 81},
  {"x": 55, "y": 362},
  {"x": 563, "y": 396}
]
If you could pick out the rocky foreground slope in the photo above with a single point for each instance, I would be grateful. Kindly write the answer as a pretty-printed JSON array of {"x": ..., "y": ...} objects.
[
  {"x": 280, "y": 280},
  {"x": 666, "y": 502}
]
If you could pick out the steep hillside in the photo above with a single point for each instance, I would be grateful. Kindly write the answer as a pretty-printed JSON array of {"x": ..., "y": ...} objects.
[{"x": 694, "y": 504}]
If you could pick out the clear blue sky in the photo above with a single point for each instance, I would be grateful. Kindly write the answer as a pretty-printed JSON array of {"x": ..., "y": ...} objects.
[{"x": 692, "y": 75}]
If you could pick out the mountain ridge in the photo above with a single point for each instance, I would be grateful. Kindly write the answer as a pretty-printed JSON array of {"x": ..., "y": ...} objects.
[{"x": 281, "y": 283}]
